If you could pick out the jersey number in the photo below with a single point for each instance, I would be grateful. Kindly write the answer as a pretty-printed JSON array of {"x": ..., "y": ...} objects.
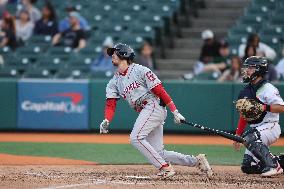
[{"x": 150, "y": 76}]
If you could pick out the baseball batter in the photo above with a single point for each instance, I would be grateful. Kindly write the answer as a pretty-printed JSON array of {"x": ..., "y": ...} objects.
[
  {"x": 144, "y": 92},
  {"x": 264, "y": 129}
]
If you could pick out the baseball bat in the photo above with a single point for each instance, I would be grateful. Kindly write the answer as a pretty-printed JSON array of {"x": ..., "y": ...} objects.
[{"x": 217, "y": 132}]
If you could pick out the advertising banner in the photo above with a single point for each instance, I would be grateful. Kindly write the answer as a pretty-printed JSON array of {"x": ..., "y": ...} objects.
[{"x": 53, "y": 104}]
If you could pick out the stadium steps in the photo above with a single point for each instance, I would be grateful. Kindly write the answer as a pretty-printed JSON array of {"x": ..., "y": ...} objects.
[
  {"x": 195, "y": 33},
  {"x": 180, "y": 64},
  {"x": 170, "y": 74},
  {"x": 218, "y": 12},
  {"x": 217, "y": 15}
]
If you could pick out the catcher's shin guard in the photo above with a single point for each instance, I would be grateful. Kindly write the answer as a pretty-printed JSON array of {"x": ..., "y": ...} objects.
[
  {"x": 258, "y": 149},
  {"x": 280, "y": 160},
  {"x": 250, "y": 166}
]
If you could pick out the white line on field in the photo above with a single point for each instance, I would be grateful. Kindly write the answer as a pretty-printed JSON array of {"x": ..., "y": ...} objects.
[{"x": 137, "y": 177}]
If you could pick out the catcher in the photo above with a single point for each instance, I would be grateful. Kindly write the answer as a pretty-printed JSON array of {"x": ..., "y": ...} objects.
[{"x": 259, "y": 105}]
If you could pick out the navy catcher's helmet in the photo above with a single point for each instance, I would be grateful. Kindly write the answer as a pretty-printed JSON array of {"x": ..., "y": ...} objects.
[
  {"x": 259, "y": 63},
  {"x": 123, "y": 51}
]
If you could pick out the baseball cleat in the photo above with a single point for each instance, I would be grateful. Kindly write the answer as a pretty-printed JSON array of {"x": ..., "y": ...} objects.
[
  {"x": 166, "y": 172},
  {"x": 203, "y": 165},
  {"x": 273, "y": 171}
]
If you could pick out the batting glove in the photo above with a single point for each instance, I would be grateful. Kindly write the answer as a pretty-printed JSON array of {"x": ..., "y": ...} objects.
[
  {"x": 178, "y": 117},
  {"x": 104, "y": 126}
]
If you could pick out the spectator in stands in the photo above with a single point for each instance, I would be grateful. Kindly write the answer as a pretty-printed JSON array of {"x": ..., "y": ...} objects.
[
  {"x": 261, "y": 48},
  {"x": 34, "y": 13},
  {"x": 24, "y": 27},
  {"x": 234, "y": 72},
  {"x": 250, "y": 50},
  {"x": 73, "y": 37},
  {"x": 8, "y": 33},
  {"x": 280, "y": 67},
  {"x": 146, "y": 55},
  {"x": 209, "y": 51},
  {"x": 222, "y": 61},
  {"x": 103, "y": 62},
  {"x": 47, "y": 25},
  {"x": 65, "y": 24}
]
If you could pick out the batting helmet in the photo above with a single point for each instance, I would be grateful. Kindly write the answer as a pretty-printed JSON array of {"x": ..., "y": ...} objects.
[
  {"x": 123, "y": 51},
  {"x": 259, "y": 63}
]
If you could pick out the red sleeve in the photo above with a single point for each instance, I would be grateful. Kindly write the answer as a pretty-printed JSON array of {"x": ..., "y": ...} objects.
[
  {"x": 241, "y": 126},
  {"x": 110, "y": 108},
  {"x": 160, "y": 92}
]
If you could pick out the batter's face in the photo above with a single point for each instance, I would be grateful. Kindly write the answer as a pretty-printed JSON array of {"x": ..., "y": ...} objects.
[{"x": 115, "y": 59}]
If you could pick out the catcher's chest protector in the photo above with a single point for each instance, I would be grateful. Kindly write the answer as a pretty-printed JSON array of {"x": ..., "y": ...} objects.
[{"x": 250, "y": 92}]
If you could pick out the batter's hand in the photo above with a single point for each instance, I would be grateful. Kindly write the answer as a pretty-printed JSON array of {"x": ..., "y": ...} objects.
[
  {"x": 237, "y": 146},
  {"x": 104, "y": 126},
  {"x": 178, "y": 117}
]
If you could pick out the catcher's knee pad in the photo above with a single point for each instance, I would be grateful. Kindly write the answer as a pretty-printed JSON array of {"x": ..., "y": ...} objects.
[
  {"x": 257, "y": 148},
  {"x": 250, "y": 166}
]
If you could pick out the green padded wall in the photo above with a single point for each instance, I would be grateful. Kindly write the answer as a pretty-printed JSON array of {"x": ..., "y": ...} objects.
[
  {"x": 8, "y": 106},
  {"x": 205, "y": 103}
]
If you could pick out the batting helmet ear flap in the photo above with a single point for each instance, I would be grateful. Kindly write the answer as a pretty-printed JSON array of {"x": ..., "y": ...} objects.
[{"x": 131, "y": 57}]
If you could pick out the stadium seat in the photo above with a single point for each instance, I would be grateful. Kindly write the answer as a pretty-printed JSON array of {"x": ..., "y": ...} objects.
[
  {"x": 276, "y": 31},
  {"x": 19, "y": 62},
  {"x": 277, "y": 20},
  {"x": 9, "y": 72},
  {"x": 90, "y": 51},
  {"x": 206, "y": 76},
  {"x": 52, "y": 63},
  {"x": 60, "y": 52},
  {"x": 101, "y": 74},
  {"x": 144, "y": 31},
  {"x": 6, "y": 52},
  {"x": 268, "y": 3},
  {"x": 261, "y": 10},
  {"x": 72, "y": 73},
  {"x": 235, "y": 39},
  {"x": 30, "y": 52},
  {"x": 241, "y": 29},
  {"x": 38, "y": 73},
  {"x": 135, "y": 41},
  {"x": 80, "y": 62}
]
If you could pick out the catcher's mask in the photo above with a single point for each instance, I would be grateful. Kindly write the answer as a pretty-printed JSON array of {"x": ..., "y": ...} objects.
[
  {"x": 260, "y": 66},
  {"x": 123, "y": 51}
]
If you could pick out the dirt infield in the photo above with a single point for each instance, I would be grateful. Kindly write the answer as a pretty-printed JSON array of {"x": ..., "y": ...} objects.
[
  {"x": 122, "y": 176},
  {"x": 114, "y": 138}
]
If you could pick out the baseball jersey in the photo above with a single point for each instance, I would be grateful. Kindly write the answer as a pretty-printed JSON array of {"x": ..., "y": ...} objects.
[
  {"x": 134, "y": 85},
  {"x": 265, "y": 93}
]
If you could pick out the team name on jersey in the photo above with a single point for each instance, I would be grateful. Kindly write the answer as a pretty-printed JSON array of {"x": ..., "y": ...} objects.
[{"x": 131, "y": 87}]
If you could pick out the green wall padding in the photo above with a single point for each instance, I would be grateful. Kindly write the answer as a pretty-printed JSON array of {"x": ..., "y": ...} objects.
[{"x": 8, "y": 104}]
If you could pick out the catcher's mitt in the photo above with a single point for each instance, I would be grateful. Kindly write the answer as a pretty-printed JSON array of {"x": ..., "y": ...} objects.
[{"x": 250, "y": 109}]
